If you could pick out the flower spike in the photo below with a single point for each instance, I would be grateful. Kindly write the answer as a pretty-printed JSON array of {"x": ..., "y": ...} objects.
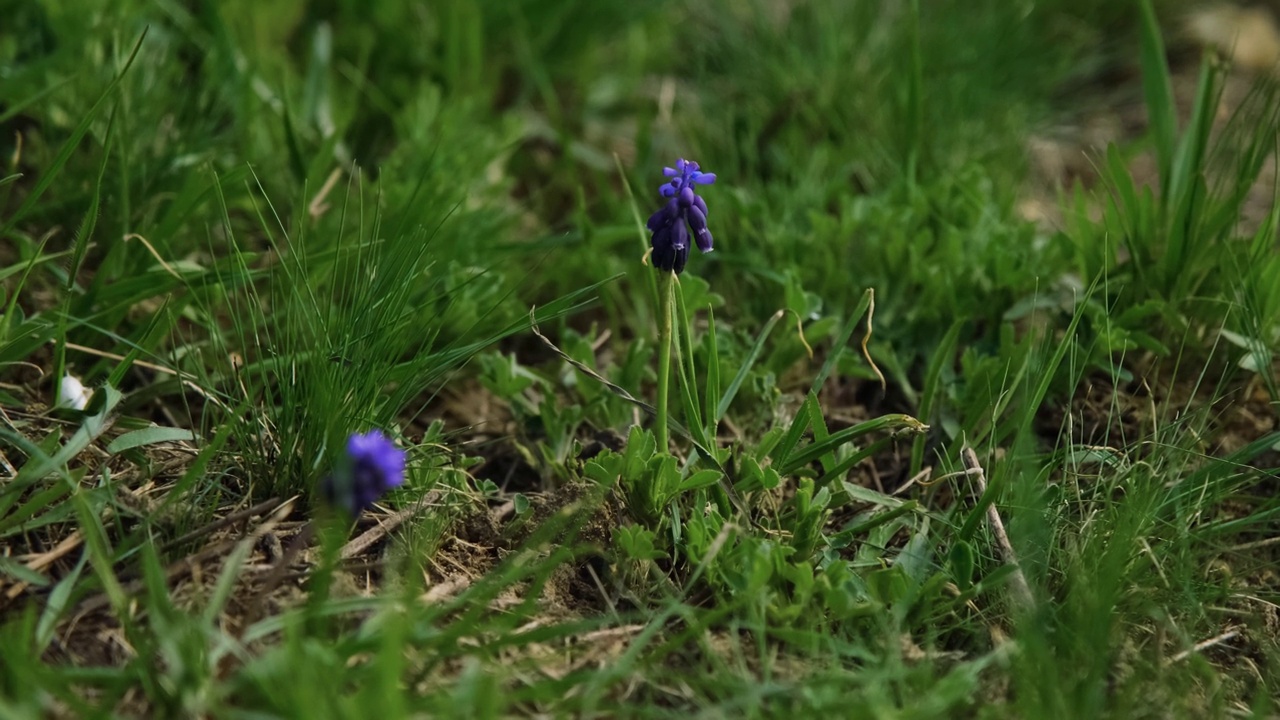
[
  {"x": 684, "y": 215},
  {"x": 371, "y": 466}
]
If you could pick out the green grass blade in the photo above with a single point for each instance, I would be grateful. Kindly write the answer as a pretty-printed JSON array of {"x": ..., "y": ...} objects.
[
  {"x": 842, "y": 342},
  {"x": 711, "y": 390},
  {"x": 736, "y": 384},
  {"x": 799, "y": 424},
  {"x": 68, "y": 147},
  {"x": 104, "y": 401},
  {"x": 818, "y": 449},
  {"x": 1158, "y": 90},
  {"x": 931, "y": 393},
  {"x": 149, "y": 436},
  {"x": 688, "y": 373},
  {"x": 58, "y": 601}
]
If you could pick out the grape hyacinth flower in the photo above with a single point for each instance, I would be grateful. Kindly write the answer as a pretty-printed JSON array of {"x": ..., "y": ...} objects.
[
  {"x": 371, "y": 466},
  {"x": 684, "y": 215}
]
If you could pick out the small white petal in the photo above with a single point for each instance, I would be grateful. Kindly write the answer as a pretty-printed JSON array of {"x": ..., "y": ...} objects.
[{"x": 73, "y": 393}]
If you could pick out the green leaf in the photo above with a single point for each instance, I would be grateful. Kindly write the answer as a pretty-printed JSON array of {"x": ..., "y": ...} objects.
[
  {"x": 837, "y": 471},
  {"x": 916, "y": 556},
  {"x": 687, "y": 376},
  {"x": 867, "y": 495},
  {"x": 700, "y": 479},
  {"x": 732, "y": 391},
  {"x": 711, "y": 388},
  {"x": 783, "y": 449},
  {"x": 21, "y": 573},
  {"x": 231, "y": 569},
  {"x": 57, "y": 602},
  {"x": 837, "y": 350},
  {"x": 931, "y": 394},
  {"x": 48, "y": 174},
  {"x": 1158, "y": 90},
  {"x": 820, "y": 433},
  {"x": 842, "y": 538},
  {"x": 888, "y": 585},
  {"x": 818, "y": 449},
  {"x": 39, "y": 467},
  {"x": 960, "y": 558},
  {"x": 195, "y": 472},
  {"x": 149, "y": 436},
  {"x": 521, "y": 503},
  {"x": 37, "y": 259}
]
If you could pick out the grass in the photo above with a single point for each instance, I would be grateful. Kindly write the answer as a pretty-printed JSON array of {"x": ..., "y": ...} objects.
[{"x": 926, "y": 457}]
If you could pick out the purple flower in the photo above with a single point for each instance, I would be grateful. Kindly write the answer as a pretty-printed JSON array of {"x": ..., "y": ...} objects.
[
  {"x": 685, "y": 214},
  {"x": 371, "y": 466}
]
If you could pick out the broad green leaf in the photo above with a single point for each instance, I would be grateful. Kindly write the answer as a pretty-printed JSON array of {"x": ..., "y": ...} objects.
[
  {"x": 149, "y": 436},
  {"x": 700, "y": 479}
]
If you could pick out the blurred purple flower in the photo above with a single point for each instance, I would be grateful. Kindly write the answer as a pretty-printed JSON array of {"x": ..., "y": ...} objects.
[
  {"x": 684, "y": 214},
  {"x": 371, "y": 466}
]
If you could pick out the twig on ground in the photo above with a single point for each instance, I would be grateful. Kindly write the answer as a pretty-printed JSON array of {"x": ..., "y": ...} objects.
[
  {"x": 171, "y": 573},
  {"x": 366, "y": 539},
  {"x": 318, "y": 206},
  {"x": 1203, "y": 645},
  {"x": 190, "y": 563},
  {"x": 1021, "y": 590},
  {"x": 69, "y": 543},
  {"x": 262, "y": 508},
  {"x": 277, "y": 574},
  {"x": 921, "y": 477}
]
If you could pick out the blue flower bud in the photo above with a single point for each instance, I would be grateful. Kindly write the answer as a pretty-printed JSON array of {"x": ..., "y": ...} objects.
[
  {"x": 685, "y": 214},
  {"x": 371, "y": 466}
]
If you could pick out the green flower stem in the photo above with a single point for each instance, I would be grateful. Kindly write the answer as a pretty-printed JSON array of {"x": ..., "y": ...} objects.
[{"x": 666, "y": 288}]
